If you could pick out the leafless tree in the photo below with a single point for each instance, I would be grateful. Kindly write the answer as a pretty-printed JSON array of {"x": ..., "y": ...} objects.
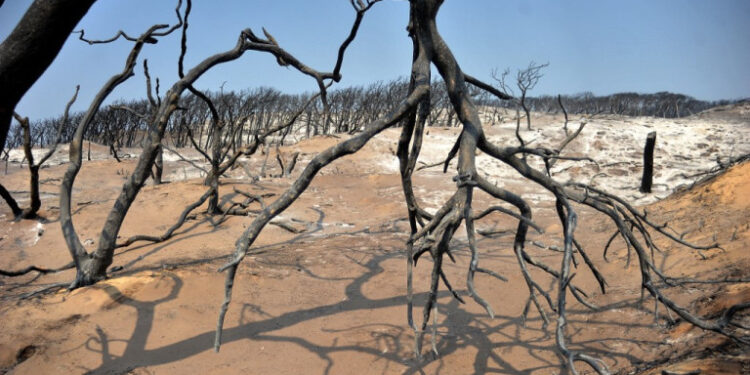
[
  {"x": 222, "y": 144},
  {"x": 526, "y": 80},
  {"x": 35, "y": 201},
  {"x": 92, "y": 267}
]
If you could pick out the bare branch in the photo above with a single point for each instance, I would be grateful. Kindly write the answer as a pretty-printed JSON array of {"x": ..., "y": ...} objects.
[
  {"x": 150, "y": 39},
  {"x": 361, "y": 8},
  {"x": 499, "y": 94}
]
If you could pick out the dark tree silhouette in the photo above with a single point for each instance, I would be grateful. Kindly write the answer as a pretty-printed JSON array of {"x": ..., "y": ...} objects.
[{"x": 31, "y": 47}]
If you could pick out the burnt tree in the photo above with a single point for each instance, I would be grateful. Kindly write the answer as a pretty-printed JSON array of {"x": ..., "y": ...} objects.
[
  {"x": 648, "y": 163},
  {"x": 31, "y": 47},
  {"x": 34, "y": 201},
  {"x": 92, "y": 266},
  {"x": 526, "y": 80}
]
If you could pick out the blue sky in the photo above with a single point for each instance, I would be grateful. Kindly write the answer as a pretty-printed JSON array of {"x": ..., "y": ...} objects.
[{"x": 699, "y": 48}]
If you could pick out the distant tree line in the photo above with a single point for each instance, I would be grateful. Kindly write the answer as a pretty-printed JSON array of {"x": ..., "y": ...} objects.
[
  {"x": 661, "y": 104},
  {"x": 124, "y": 123}
]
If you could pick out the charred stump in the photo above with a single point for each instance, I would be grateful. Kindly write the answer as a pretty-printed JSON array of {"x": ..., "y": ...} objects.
[{"x": 648, "y": 163}]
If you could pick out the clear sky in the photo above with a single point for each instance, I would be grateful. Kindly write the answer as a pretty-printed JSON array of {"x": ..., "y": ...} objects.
[{"x": 699, "y": 48}]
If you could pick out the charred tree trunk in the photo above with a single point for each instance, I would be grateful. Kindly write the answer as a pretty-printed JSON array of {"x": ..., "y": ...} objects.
[
  {"x": 215, "y": 136},
  {"x": 159, "y": 166},
  {"x": 113, "y": 151},
  {"x": 526, "y": 110},
  {"x": 90, "y": 268},
  {"x": 31, "y": 47},
  {"x": 35, "y": 202},
  {"x": 292, "y": 163},
  {"x": 105, "y": 251},
  {"x": 648, "y": 163},
  {"x": 212, "y": 180},
  {"x": 307, "y": 124},
  {"x": 10, "y": 201},
  {"x": 565, "y": 113}
]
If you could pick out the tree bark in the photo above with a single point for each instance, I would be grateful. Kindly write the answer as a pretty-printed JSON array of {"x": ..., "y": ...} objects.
[{"x": 36, "y": 202}]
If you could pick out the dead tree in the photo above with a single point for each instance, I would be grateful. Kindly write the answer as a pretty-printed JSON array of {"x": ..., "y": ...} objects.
[
  {"x": 526, "y": 80},
  {"x": 92, "y": 266},
  {"x": 565, "y": 113},
  {"x": 219, "y": 158},
  {"x": 286, "y": 170},
  {"x": 34, "y": 201},
  {"x": 431, "y": 233}
]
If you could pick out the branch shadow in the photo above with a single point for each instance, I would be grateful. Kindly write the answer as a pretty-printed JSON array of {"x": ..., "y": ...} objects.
[
  {"x": 144, "y": 323},
  {"x": 459, "y": 330}
]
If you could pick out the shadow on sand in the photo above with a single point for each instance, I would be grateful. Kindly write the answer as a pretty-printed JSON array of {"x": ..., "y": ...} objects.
[{"x": 458, "y": 331}]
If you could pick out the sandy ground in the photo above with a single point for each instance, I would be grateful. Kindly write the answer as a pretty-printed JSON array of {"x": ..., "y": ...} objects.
[{"x": 331, "y": 299}]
